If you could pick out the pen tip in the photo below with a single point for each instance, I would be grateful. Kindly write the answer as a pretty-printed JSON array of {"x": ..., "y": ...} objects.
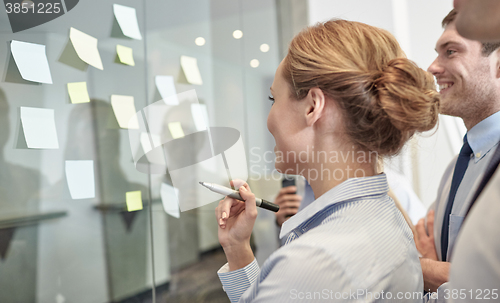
[{"x": 201, "y": 183}]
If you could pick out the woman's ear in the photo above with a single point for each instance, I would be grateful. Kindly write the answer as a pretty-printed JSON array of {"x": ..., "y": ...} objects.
[{"x": 315, "y": 105}]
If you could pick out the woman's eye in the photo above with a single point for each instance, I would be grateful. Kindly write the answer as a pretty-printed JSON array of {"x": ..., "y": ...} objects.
[{"x": 271, "y": 98}]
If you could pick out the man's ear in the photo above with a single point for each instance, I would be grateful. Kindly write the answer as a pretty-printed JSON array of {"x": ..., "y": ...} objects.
[{"x": 315, "y": 105}]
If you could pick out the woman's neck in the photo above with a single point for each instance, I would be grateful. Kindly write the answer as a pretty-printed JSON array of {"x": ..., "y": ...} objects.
[{"x": 324, "y": 173}]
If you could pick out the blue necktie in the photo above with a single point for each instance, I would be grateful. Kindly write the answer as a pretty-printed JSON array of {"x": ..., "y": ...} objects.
[{"x": 458, "y": 174}]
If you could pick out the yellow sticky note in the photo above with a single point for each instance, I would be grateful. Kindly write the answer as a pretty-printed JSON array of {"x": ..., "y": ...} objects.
[
  {"x": 191, "y": 70},
  {"x": 86, "y": 47},
  {"x": 134, "y": 200},
  {"x": 125, "y": 54},
  {"x": 125, "y": 112},
  {"x": 176, "y": 130},
  {"x": 78, "y": 92}
]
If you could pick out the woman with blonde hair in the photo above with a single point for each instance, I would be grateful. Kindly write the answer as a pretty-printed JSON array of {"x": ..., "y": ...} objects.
[{"x": 344, "y": 96}]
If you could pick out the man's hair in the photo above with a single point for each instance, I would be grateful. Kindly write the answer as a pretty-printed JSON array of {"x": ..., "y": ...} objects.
[{"x": 487, "y": 48}]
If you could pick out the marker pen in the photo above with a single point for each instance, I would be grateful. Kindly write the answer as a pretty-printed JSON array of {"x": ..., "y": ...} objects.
[{"x": 236, "y": 195}]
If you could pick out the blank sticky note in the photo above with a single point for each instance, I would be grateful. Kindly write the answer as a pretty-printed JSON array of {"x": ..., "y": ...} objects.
[
  {"x": 166, "y": 87},
  {"x": 125, "y": 113},
  {"x": 176, "y": 130},
  {"x": 169, "y": 200},
  {"x": 190, "y": 68},
  {"x": 31, "y": 60},
  {"x": 86, "y": 47},
  {"x": 80, "y": 177},
  {"x": 125, "y": 54},
  {"x": 78, "y": 92},
  {"x": 127, "y": 19},
  {"x": 134, "y": 200},
  {"x": 39, "y": 127},
  {"x": 200, "y": 116}
]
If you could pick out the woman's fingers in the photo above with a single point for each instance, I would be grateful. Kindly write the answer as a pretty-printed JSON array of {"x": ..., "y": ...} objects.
[
  {"x": 249, "y": 197},
  {"x": 237, "y": 183},
  {"x": 224, "y": 210},
  {"x": 230, "y": 207}
]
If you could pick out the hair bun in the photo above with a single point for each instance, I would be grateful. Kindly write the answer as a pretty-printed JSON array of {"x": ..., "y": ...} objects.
[{"x": 408, "y": 96}]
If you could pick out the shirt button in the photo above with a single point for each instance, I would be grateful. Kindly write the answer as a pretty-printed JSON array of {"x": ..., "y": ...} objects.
[{"x": 478, "y": 155}]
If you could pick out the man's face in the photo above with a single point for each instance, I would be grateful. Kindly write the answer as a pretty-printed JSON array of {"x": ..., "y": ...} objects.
[{"x": 465, "y": 77}]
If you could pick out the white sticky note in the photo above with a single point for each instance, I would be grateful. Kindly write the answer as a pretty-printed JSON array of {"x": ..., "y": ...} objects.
[
  {"x": 127, "y": 19},
  {"x": 31, "y": 60},
  {"x": 169, "y": 200},
  {"x": 237, "y": 161},
  {"x": 125, "y": 113},
  {"x": 78, "y": 92},
  {"x": 190, "y": 68},
  {"x": 200, "y": 116},
  {"x": 86, "y": 47},
  {"x": 125, "y": 54},
  {"x": 80, "y": 178},
  {"x": 166, "y": 87},
  {"x": 176, "y": 130},
  {"x": 60, "y": 298},
  {"x": 39, "y": 127}
]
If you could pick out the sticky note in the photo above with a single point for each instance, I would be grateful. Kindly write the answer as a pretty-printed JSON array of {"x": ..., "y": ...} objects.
[
  {"x": 78, "y": 92},
  {"x": 176, "y": 130},
  {"x": 125, "y": 113},
  {"x": 190, "y": 67},
  {"x": 86, "y": 47},
  {"x": 127, "y": 19},
  {"x": 134, "y": 200},
  {"x": 169, "y": 200},
  {"x": 200, "y": 116},
  {"x": 31, "y": 60},
  {"x": 166, "y": 87},
  {"x": 39, "y": 127},
  {"x": 125, "y": 54},
  {"x": 80, "y": 178}
]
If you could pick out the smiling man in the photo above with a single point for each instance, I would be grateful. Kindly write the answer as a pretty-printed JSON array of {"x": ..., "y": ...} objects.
[{"x": 468, "y": 75}]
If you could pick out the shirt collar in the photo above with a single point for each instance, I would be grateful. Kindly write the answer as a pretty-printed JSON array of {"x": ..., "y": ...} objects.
[
  {"x": 352, "y": 188},
  {"x": 484, "y": 136}
]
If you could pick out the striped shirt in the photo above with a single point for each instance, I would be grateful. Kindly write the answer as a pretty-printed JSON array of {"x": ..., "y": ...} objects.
[{"x": 352, "y": 245}]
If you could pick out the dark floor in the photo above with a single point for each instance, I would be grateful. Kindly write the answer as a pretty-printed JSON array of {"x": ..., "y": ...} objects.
[{"x": 197, "y": 283}]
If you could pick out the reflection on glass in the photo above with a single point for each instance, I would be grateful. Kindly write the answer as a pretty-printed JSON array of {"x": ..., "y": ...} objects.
[{"x": 19, "y": 187}]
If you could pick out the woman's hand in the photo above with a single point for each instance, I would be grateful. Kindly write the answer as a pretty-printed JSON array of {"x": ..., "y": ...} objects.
[{"x": 236, "y": 220}]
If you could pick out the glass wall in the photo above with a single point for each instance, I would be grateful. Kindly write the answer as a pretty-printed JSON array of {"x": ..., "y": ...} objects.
[{"x": 79, "y": 220}]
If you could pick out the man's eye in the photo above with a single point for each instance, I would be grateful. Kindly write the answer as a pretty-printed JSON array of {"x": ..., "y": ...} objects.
[
  {"x": 271, "y": 98},
  {"x": 450, "y": 52}
]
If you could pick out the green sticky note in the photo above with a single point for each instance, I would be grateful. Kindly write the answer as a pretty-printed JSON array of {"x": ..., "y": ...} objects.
[
  {"x": 176, "y": 130},
  {"x": 125, "y": 54},
  {"x": 134, "y": 200},
  {"x": 78, "y": 92}
]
